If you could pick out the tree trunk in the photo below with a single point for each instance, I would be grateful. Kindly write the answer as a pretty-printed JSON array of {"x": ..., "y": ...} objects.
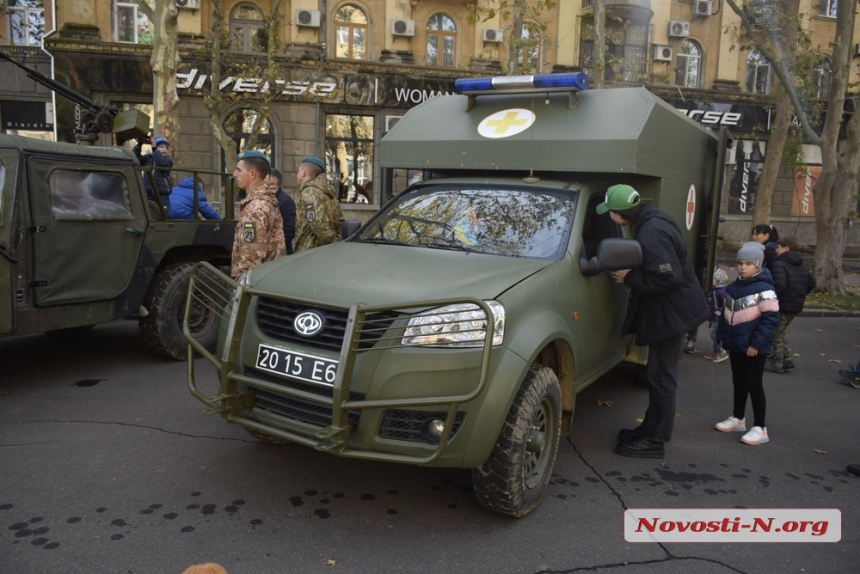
[
  {"x": 598, "y": 51},
  {"x": 164, "y": 63},
  {"x": 772, "y": 159},
  {"x": 515, "y": 50}
]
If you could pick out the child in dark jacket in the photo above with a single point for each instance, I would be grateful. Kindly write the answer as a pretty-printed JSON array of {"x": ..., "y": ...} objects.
[
  {"x": 716, "y": 304},
  {"x": 792, "y": 283},
  {"x": 746, "y": 330}
]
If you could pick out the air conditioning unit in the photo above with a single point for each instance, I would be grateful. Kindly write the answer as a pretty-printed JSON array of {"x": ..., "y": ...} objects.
[
  {"x": 402, "y": 27},
  {"x": 188, "y": 4},
  {"x": 703, "y": 8},
  {"x": 308, "y": 18},
  {"x": 678, "y": 29},
  {"x": 662, "y": 53},
  {"x": 391, "y": 121},
  {"x": 856, "y": 50},
  {"x": 493, "y": 35}
]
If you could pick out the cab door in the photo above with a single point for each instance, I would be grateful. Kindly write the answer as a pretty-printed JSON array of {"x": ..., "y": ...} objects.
[
  {"x": 8, "y": 255},
  {"x": 87, "y": 230},
  {"x": 603, "y": 302}
]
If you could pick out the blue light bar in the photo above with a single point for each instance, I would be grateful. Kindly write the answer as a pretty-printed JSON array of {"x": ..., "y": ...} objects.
[{"x": 575, "y": 81}]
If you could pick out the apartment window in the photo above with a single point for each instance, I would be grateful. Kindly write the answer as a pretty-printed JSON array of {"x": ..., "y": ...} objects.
[
  {"x": 688, "y": 72},
  {"x": 828, "y": 8},
  {"x": 26, "y": 22},
  {"x": 531, "y": 52},
  {"x": 131, "y": 24},
  {"x": 350, "y": 24},
  {"x": 349, "y": 154},
  {"x": 246, "y": 29},
  {"x": 441, "y": 41},
  {"x": 758, "y": 73},
  {"x": 626, "y": 49}
]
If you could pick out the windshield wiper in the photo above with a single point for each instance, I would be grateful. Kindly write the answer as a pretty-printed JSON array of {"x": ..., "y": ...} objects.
[
  {"x": 383, "y": 241},
  {"x": 452, "y": 247}
]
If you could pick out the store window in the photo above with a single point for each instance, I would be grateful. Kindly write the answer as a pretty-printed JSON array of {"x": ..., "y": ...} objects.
[
  {"x": 626, "y": 49},
  {"x": 441, "y": 41},
  {"x": 239, "y": 125},
  {"x": 531, "y": 52},
  {"x": 349, "y": 156},
  {"x": 131, "y": 24},
  {"x": 823, "y": 78},
  {"x": 351, "y": 29},
  {"x": 25, "y": 22},
  {"x": 828, "y": 8},
  {"x": 688, "y": 72},
  {"x": 758, "y": 73}
]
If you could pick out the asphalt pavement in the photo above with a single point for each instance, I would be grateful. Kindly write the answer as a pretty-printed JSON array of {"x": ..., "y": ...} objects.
[{"x": 110, "y": 466}]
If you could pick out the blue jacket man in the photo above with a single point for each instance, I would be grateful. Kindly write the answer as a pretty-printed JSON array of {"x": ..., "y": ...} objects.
[{"x": 182, "y": 202}]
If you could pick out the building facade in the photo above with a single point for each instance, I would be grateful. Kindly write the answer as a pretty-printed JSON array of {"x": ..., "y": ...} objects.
[{"x": 349, "y": 69}]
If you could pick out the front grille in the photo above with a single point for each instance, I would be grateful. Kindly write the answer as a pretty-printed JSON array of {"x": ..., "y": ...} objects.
[
  {"x": 301, "y": 410},
  {"x": 407, "y": 425},
  {"x": 275, "y": 319}
]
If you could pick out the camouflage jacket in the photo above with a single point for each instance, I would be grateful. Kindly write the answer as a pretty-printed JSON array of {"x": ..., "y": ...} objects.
[
  {"x": 259, "y": 231},
  {"x": 318, "y": 217}
]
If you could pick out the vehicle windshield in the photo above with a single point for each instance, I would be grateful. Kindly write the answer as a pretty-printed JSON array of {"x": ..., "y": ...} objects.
[{"x": 500, "y": 221}]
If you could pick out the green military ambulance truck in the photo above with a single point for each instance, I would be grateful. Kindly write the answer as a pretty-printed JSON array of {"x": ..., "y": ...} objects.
[
  {"x": 457, "y": 326},
  {"x": 81, "y": 245}
]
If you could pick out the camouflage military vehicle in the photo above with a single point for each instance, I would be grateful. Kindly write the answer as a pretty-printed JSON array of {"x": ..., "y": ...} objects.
[
  {"x": 457, "y": 326},
  {"x": 80, "y": 245}
]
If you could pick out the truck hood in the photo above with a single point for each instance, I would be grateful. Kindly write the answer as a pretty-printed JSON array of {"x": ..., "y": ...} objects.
[{"x": 347, "y": 273}]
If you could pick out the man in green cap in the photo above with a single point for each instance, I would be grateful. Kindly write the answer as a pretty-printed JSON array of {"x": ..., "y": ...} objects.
[
  {"x": 318, "y": 219},
  {"x": 666, "y": 302}
]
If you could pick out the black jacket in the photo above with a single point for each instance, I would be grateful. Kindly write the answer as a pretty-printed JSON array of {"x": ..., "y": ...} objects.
[
  {"x": 666, "y": 298},
  {"x": 288, "y": 212},
  {"x": 162, "y": 177},
  {"x": 791, "y": 281}
]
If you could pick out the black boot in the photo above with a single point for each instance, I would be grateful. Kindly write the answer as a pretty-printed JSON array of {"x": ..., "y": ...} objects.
[{"x": 641, "y": 448}]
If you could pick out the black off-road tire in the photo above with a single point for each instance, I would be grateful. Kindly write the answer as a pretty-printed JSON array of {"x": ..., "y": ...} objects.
[
  {"x": 161, "y": 329},
  {"x": 514, "y": 479}
]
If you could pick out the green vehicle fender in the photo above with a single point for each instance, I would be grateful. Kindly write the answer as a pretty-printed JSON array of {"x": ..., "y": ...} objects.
[{"x": 542, "y": 336}]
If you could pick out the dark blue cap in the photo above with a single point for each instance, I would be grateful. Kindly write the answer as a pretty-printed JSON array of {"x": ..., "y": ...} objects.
[
  {"x": 249, "y": 153},
  {"x": 314, "y": 160},
  {"x": 160, "y": 140}
]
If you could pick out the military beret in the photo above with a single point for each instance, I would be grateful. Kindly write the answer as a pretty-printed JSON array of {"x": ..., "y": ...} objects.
[
  {"x": 249, "y": 153},
  {"x": 314, "y": 160}
]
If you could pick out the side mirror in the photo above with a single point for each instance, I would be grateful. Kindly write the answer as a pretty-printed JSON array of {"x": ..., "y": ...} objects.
[
  {"x": 349, "y": 227},
  {"x": 615, "y": 254}
]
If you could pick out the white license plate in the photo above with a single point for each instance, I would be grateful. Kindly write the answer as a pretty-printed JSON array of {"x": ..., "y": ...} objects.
[{"x": 297, "y": 365}]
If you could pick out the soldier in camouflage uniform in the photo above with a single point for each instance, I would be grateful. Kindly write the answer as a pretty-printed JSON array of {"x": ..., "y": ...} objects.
[
  {"x": 260, "y": 229},
  {"x": 318, "y": 218}
]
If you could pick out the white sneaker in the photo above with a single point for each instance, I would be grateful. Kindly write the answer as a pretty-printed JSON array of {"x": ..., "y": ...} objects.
[
  {"x": 756, "y": 436},
  {"x": 732, "y": 424}
]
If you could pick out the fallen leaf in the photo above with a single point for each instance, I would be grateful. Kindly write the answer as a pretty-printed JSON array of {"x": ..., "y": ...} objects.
[
  {"x": 603, "y": 403},
  {"x": 822, "y": 354},
  {"x": 639, "y": 420},
  {"x": 819, "y": 451},
  {"x": 834, "y": 361},
  {"x": 331, "y": 562},
  {"x": 819, "y": 330}
]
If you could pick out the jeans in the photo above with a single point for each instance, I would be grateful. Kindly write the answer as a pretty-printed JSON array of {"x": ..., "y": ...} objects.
[
  {"x": 662, "y": 372},
  {"x": 717, "y": 347}
]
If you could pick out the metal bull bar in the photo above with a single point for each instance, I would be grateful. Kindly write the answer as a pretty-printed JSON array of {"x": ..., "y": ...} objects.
[{"x": 214, "y": 290}]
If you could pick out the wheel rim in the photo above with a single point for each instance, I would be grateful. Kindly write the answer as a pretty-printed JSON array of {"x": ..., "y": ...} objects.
[
  {"x": 200, "y": 320},
  {"x": 539, "y": 443}
]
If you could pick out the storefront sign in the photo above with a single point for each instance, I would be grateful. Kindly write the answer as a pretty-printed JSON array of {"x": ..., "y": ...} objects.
[
  {"x": 802, "y": 202},
  {"x": 36, "y": 116}
]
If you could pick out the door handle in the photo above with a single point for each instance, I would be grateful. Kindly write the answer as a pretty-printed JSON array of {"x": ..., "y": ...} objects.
[{"x": 134, "y": 231}]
